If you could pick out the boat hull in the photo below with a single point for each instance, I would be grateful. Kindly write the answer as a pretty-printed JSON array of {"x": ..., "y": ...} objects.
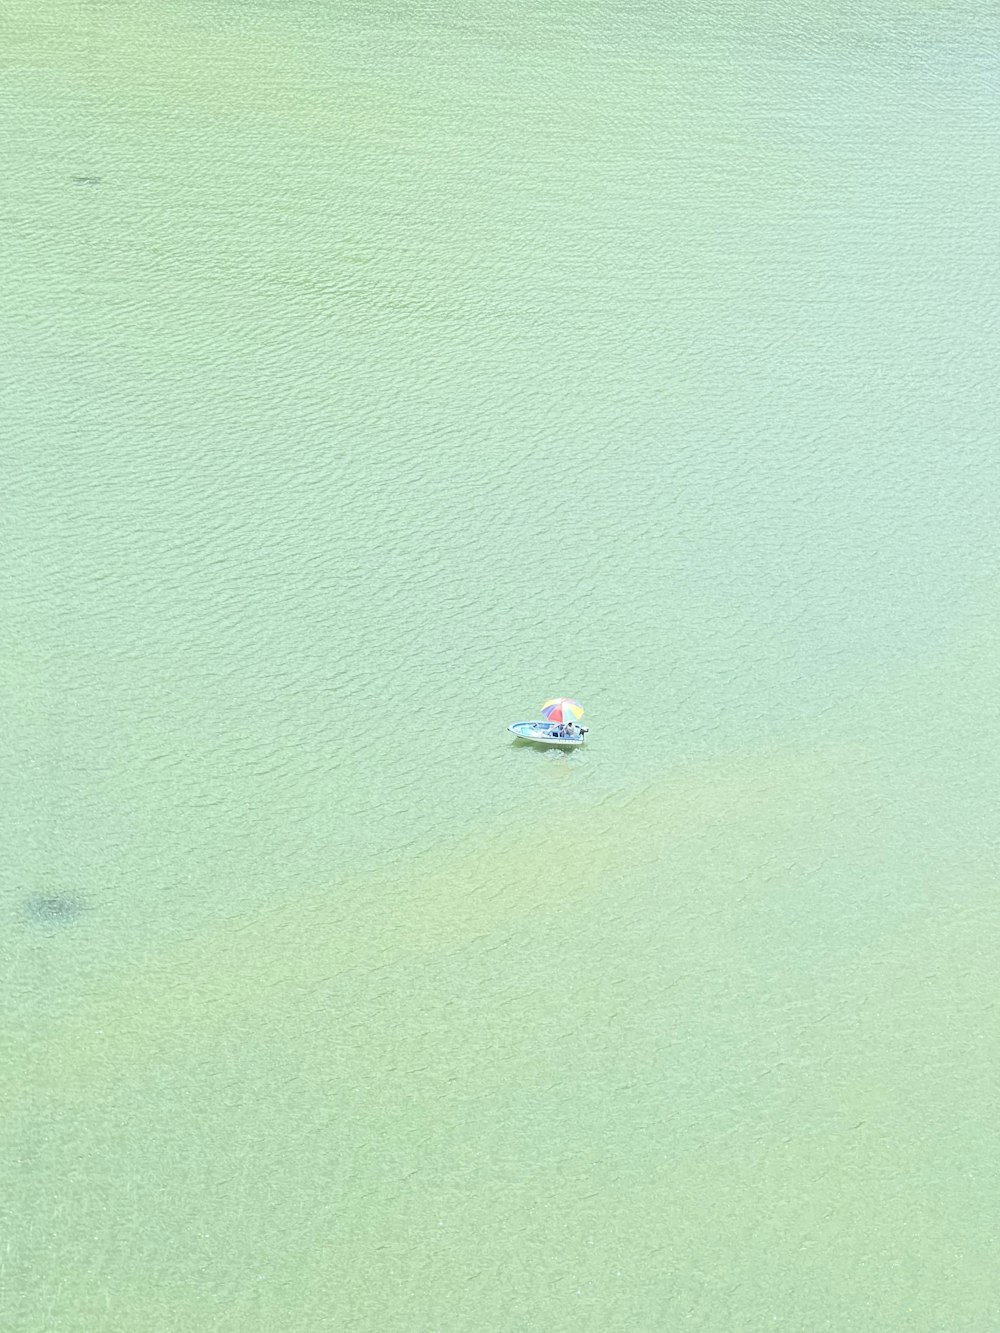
[{"x": 541, "y": 733}]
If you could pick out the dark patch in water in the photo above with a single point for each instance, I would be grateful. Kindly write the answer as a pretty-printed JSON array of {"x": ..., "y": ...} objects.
[
  {"x": 86, "y": 180},
  {"x": 54, "y": 909}
]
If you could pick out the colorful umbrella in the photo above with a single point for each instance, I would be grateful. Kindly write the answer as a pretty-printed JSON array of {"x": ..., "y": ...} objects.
[{"x": 561, "y": 710}]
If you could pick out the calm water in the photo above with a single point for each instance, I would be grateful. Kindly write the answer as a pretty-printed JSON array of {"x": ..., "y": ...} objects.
[{"x": 372, "y": 372}]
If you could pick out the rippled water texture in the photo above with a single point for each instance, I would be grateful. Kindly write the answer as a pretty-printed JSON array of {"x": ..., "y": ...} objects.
[{"x": 373, "y": 372}]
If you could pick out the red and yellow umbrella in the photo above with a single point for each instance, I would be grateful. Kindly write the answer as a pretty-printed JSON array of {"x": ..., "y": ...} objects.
[{"x": 561, "y": 710}]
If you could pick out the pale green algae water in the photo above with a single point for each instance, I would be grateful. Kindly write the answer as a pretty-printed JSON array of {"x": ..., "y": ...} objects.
[{"x": 374, "y": 371}]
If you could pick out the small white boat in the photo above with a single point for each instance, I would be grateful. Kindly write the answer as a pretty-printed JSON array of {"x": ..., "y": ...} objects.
[{"x": 547, "y": 733}]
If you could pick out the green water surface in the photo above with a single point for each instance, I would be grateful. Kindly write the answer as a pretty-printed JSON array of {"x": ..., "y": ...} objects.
[{"x": 372, "y": 372}]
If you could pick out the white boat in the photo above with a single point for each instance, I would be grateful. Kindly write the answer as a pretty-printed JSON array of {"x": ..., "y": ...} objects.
[{"x": 547, "y": 733}]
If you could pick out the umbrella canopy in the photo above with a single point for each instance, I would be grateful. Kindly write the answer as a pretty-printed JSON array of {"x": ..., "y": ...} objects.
[{"x": 561, "y": 710}]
